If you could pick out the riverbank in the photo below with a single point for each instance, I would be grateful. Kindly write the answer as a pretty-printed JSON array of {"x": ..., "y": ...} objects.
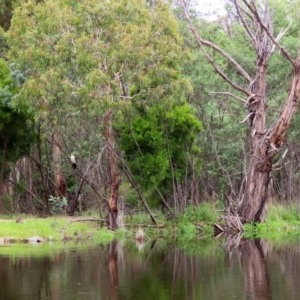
[
  {"x": 194, "y": 223},
  {"x": 38, "y": 230}
]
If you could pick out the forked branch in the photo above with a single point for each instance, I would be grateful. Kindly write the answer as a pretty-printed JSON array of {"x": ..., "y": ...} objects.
[{"x": 251, "y": 6}]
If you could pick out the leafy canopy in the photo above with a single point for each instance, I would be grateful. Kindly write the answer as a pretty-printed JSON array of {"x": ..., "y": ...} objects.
[
  {"x": 157, "y": 139},
  {"x": 16, "y": 131}
]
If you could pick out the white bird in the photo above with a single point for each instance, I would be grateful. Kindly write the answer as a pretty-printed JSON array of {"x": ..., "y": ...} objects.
[{"x": 73, "y": 161}]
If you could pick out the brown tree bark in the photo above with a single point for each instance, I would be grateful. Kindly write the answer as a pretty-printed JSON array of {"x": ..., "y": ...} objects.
[
  {"x": 266, "y": 143},
  {"x": 59, "y": 178},
  {"x": 114, "y": 174}
]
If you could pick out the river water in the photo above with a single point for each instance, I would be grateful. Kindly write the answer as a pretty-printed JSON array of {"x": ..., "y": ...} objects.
[{"x": 156, "y": 270}]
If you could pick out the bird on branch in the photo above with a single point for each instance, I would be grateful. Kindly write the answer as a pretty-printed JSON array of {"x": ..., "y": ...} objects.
[{"x": 73, "y": 161}]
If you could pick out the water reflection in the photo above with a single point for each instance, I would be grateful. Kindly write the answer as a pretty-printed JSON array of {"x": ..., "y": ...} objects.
[
  {"x": 204, "y": 270},
  {"x": 253, "y": 254},
  {"x": 113, "y": 271}
]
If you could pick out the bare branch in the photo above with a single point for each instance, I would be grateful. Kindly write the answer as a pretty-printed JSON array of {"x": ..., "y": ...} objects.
[
  {"x": 280, "y": 35},
  {"x": 201, "y": 42},
  {"x": 231, "y": 95},
  {"x": 233, "y": 62},
  {"x": 245, "y": 26},
  {"x": 253, "y": 9},
  {"x": 247, "y": 117}
]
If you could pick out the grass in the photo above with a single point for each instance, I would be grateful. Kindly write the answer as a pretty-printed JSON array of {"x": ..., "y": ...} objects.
[
  {"x": 197, "y": 221},
  {"x": 282, "y": 222},
  {"x": 194, "y": 223},
  {"x": 53, "y": 229}
]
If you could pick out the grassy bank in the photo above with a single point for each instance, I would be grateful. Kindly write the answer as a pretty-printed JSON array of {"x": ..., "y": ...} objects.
[
  {"x": 51, "y": 229},
  {"x": 194, "y": 223},
  {"x": 282, "y": 222}
]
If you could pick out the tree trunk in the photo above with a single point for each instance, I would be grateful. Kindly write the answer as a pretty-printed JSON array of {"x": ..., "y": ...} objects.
[
  {"x": 254, "y": 191},
  {"x": 266, "y": 144},
  {"x": 114, "y": 174},
  {"x": 59, "y": 178}
]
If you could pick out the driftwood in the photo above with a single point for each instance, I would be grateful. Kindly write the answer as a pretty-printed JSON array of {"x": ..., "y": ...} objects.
[
  {"x": 87, "y": 220},
  {"x": 233, "y": 224},
  {"x": 145, "y": 225}
]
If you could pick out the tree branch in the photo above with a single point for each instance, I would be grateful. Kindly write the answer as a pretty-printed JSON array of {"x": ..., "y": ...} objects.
[
  {"x": 231, "y": 95},
  {"x": 253, "y": 9},
  {"x": 245, "y": 26},
  {"x": 280, "y": 35},
  {"x": 201, "y": 42}
]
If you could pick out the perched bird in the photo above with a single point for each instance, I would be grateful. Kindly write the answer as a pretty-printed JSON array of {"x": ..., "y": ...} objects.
[{"x": 73, "y": 161}]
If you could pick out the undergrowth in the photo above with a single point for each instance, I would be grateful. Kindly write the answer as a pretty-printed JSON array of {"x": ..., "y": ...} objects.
[
  {"x": 281, "y": 222},
  {"x": 197, "y": 221}
]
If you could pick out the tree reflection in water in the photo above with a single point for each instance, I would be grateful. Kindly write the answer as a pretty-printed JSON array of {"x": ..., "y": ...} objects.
[
  {"x": 113, "y": 271},
  {"x": 253, "y": 254},
  {"x": 245, "y": 269}
]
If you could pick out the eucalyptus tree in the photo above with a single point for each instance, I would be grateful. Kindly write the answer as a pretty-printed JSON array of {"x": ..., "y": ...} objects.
[
  {"x": 266, "y": 137},
  {"x": 83, "y": 60}
]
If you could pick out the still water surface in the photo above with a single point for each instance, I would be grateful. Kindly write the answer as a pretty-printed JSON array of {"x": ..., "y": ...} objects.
[{"x": 211, "y": 270}]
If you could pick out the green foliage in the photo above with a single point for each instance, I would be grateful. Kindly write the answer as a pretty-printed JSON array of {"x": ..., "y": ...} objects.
[
  {"x": 205, "y": 212},
  {"x": 3, "y": 44},
  {"x": 16, "y": 126},
  {"x": 81, "y": 59},
  {"x": 61, "y": 48},
  {"x": 156, "y": 139},
  {"x": 197, "y": 221},
  {"x": 57, "y": 204},
  {"x": 281, "y": 222}
]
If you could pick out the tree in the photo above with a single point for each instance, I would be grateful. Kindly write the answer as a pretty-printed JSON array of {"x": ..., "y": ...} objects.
[
  {"x": 264, "y": 141},
  {"x": 159, "y": 144},
  {"x": 84, "y": 60},
  {"x": 16, "y": 127}
]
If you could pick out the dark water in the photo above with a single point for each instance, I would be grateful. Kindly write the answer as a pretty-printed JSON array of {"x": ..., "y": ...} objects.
[{"x": 212, "y": 270}]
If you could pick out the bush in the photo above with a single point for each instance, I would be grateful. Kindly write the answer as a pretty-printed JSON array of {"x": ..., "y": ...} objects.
[
  {"x": 205, "y": 212},
  {"x": 197, "y": 220},
  {"x": 57, "y": 204}
]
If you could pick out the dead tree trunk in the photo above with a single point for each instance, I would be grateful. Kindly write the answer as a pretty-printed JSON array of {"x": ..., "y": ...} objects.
[
  {"x": 264, "y": 142},
  {"x": 114, "y": 174},
  {"x": 254, "y": 191}
]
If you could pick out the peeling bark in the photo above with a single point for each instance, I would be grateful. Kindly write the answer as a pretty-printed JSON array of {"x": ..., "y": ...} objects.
[
  {"x": 114, "y": 174},
  {"x": 265, "y": 146},
  {"x": 264, "y": 142},
  {"x": 59, "y": 178}
]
